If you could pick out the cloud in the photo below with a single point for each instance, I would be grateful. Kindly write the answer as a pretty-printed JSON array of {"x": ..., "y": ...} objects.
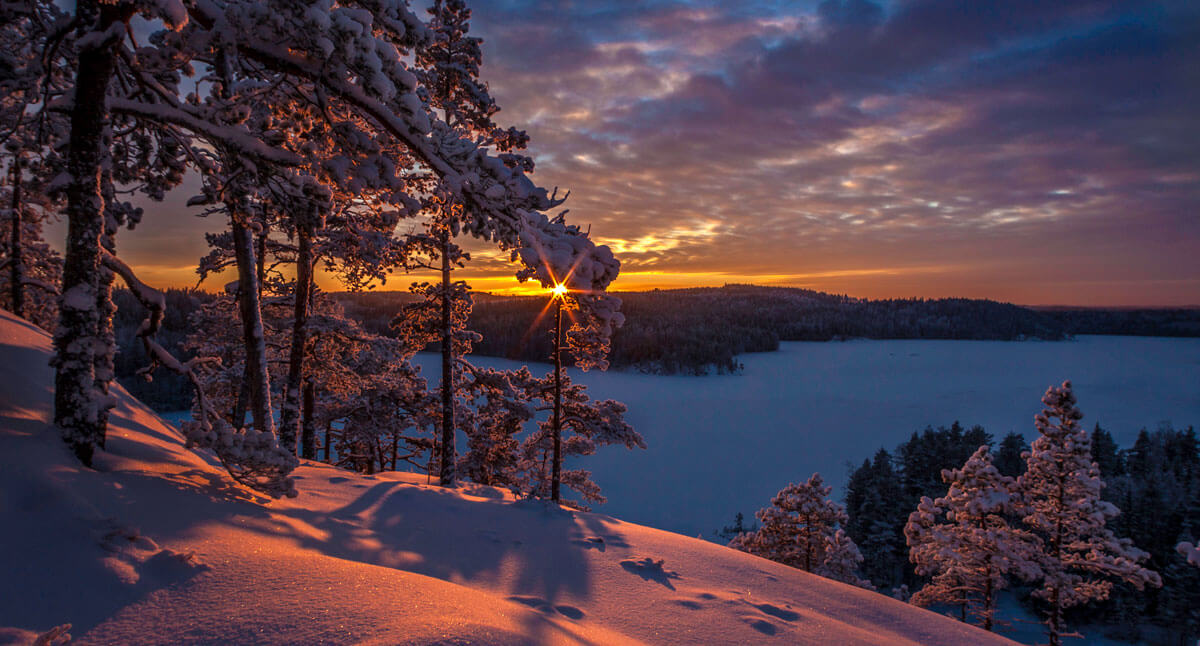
[
  {"x": 1041, "y": 149},
  {"x": 853, "y": 131}
]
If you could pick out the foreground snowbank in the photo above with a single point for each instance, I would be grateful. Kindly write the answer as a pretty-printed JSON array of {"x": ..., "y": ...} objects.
[{"x": 158, "y": 546}]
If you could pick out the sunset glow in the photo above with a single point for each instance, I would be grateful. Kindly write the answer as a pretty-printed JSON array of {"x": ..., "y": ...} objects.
[{"x": 880, "y": 150}]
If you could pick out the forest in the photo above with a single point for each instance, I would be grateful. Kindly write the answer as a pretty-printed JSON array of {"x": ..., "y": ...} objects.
[
  {"x": 366, "y": 146},
  {"x": 1133, "y": 515},
  {"x": 689, "y": 331},
  {"x": 701, "y": 330}
]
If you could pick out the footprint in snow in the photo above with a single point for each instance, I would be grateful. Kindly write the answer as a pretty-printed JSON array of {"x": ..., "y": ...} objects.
[
  {"x": 650, "y": 570},
  {"x": 592, "y": 543},
  {"x": 761, "y": 625},
  {"x": 569, "y": 611},
  {"x": 541, "y": 605},
  {"x": 777, "y": 612}
]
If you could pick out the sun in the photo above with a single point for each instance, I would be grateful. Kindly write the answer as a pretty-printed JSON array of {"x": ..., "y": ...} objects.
[{"x": 560, "y": 290}]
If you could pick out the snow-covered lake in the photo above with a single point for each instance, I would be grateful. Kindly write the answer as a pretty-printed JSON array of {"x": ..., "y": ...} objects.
[{"x": 723, "y": 444}]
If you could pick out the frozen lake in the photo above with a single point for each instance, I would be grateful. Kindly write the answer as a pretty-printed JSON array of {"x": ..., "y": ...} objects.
[{"x": 723, "y": 444}]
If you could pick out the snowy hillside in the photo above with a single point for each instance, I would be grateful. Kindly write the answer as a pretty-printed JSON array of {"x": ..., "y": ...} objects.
[{"x": 158, "y": 546}]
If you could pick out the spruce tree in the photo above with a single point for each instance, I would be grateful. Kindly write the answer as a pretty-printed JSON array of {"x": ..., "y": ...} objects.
[
  {"x": 842, "y": 561},
  {"x": 1105, "y": 454},
  {"x": 1009, "y": 460},
  {"x": 1079, "y": 555},
  {"x": 973, "y": 551},
  {"x": 1181, "y": 589},
  {"x": 882, "y": 519}
]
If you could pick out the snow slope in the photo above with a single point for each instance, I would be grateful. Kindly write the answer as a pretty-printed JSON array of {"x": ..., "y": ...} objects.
[{"x": 158, "y": 546}]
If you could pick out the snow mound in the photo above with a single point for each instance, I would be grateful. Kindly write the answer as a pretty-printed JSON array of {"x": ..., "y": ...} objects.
[{"x": 158, "y": 546}]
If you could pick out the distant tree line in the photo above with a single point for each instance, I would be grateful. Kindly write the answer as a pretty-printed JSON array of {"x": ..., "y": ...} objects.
[
  {"x": 687, "y": 331},
  {"x": 1179, "y": 322},
  {"x": 166, "y": 391},
  {"x": 702, "y": 330}
]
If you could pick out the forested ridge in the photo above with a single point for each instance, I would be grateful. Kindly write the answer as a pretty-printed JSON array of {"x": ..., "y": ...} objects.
[
  {"x": 704, "y": 329},
  {"x": 689, "y": 331}
]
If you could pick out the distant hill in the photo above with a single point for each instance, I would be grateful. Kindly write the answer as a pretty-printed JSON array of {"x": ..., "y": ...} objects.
[
  {"x": 704, "y": 329},
  {"x": 689, "y": 331}
]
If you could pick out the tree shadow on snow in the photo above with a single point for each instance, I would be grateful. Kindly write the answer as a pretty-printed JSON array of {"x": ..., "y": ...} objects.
[{"x": 527, "y": 549}]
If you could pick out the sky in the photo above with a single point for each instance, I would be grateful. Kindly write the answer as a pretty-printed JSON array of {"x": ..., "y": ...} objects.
[{"x": 1020, "y": 150}]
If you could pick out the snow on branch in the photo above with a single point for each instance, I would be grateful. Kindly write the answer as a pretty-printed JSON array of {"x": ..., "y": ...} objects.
[
  {"x": 253, "y": 458},
  {"x": 1191, "y": 552},
  {"x": 505, "y": 204},
  {"x": 233, "y": 138}
]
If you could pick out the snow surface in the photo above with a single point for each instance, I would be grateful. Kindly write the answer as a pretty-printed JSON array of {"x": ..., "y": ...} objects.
[
  {"x": 158, "y": 546},
  {"x": 722, "y": 444}
]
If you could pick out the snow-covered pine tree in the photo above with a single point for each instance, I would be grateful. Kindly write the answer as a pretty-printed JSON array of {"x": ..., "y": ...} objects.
[
  {"x": 496, "y": 415},
  {"x": 82, "y": 339},
  {"x": 449, "y": 67},
  {"x": 441, "y": 316},
  {"x": 801, "y": 529},
  {"x": 30, "y": 271},
  {"x": 587, "y": 424},
  {"x": 388, "y": 419},
  {"x": 1079, "y": 556},
  {"x": 964, "y": 542},
  {"x": 842, "y": 561}
]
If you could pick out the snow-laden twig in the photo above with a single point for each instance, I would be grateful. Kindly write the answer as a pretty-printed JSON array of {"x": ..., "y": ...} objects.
[{"x": 252, "y": 457}]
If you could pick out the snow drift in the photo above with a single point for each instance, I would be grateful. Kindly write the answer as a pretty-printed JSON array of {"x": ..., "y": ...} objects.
[{"x": 158, "y": 545}]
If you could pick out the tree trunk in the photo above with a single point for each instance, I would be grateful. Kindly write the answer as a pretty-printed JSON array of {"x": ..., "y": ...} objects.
[
  {"x": 243, "y": 396},
  {"x": 289, "y": 417},
  {"x": 395, "y": 449},
  {"x": 308, "y": 429},
  {"x": 16, "y": 270},
  {"x": 556, "y": 464},
  {"x": 449, "y": 451},
  {"x": 989, "y": 596},
  {"x": 1055, "y": 620},
  {"x": 252, "y": 326},
  {"x": 105, "y": 370},
  {"x": 76, "y": 402},
  {"x": 328, "y": 442}
]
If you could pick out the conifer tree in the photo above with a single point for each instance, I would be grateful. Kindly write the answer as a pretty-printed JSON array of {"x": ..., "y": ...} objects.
[
  {"x": 30, "y": 269},
  {"x": 842, "y": 561},
  {"x": 1009, "y": 460},
  {"x": 881, "y": 522},
  {"x": 1105, "y": 454},
  {"x": 1181, "y": 577},
  {"x": 1079, "y": 555},
  {"x": 586, "y": 424},
  {"x": 801, "y": 529},
  {"x": 969, "y": 554}
]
